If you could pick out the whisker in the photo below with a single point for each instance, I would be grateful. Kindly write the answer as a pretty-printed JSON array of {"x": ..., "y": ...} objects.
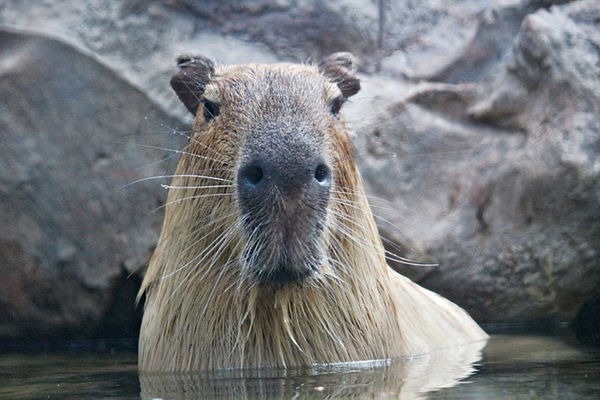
[
  {"x": 180, "y": 152},
  {"x": 223, "y": 268},
  {"x": 390, "y": 255},
  {"x": 205, "y": 252},
  {"x": 356, "y": 204},
  {"x": 194, "y": 187},
  {"x": 162, "y": 160},
  {"x": 184, "y": 134},
  {"x": 349, "y": 191},
  {"x": 177, "y": 176},
  {"x": 204, "y": 226},
  {"x": 224, "y": 238},
  {"x": 190, "y": 198},
  {"x": 207, "y": 248}
]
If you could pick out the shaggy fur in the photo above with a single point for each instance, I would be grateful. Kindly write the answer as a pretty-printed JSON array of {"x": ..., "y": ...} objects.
[{"x": 203, "y": 311}]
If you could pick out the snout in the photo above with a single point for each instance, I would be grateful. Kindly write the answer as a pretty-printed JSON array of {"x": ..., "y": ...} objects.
[
  {"x": 283, "y": 200},
  {"x": 260, "y": 179}
]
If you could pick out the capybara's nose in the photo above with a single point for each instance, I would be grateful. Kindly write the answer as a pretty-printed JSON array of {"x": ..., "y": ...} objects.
[{"x": 261, "y": 180}]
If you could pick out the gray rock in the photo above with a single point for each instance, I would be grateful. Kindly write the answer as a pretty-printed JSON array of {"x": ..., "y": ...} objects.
[
  {"x": 469, "y": 44},
  {"x": 72, "y": 136},
  {"x": 499, "y": 181},
  {"x": 138, "y": 40}
]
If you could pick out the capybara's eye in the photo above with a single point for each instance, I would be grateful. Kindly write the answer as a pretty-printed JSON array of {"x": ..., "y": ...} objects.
[
  {"x": 336, "y": 104},
  {"x": 211, "y": 110}
]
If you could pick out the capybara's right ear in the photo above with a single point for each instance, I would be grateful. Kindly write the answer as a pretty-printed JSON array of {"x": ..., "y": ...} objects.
[{"x": 191, "y": 80}]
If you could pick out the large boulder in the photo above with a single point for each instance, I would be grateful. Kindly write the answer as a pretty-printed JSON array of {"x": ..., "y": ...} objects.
[
  {"x": 74, "y": 135},
  {"x": 499, "y": 180}
]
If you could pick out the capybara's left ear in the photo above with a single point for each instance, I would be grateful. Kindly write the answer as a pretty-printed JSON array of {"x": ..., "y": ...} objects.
[
  {"x": 340, "y": 68},
  {"x": 189, "y": 83}
]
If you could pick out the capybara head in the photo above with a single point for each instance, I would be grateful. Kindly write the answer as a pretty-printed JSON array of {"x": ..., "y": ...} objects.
[{"x": 275, "y": 134}]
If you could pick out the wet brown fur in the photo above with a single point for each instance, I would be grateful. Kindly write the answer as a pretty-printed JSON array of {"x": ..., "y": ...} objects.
[{"x": 202, "y": 312}]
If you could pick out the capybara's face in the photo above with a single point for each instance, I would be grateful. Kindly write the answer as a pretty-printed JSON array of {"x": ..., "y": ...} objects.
[{"x": 275, "y": 126}]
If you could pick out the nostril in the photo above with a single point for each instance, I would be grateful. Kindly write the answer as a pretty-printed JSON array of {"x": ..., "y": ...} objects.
[
  {"x": 253, "y": 174},
  {"x": 322, "y": 173}
]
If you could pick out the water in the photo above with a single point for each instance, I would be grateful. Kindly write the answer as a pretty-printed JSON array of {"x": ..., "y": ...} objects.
[{"x": 509, "y": 367}]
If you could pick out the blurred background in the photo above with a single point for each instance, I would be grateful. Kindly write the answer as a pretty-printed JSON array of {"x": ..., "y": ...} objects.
[{"x": 477, "y": 131}]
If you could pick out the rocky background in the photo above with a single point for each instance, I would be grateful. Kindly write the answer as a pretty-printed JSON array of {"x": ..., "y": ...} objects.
[{"x": 477, "y": 131}]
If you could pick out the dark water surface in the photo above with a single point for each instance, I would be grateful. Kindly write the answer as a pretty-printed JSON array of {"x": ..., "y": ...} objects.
[{"x": 509, "y": 367}]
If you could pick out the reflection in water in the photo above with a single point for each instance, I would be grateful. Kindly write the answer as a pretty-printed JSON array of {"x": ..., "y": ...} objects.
[
  {"x": 532, "y": 367},
  {"x": 405, "y": 378},
  {"x": 512, "y": 367}
]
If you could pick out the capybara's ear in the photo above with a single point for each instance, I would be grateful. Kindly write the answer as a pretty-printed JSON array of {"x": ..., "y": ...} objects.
[
  {"x": 191, "y": 80},
  {"x": 340, "y": 68}
]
